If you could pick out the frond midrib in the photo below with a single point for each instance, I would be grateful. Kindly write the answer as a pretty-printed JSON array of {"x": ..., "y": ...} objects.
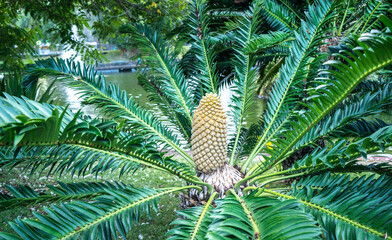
[
  {"x": 332, "y": 213},
  {"x": 249, "y": 215},
  {"x": 168, "y": 141},
  {"x": 128, "y": 155},
  {"x": 210, "y": 75},
  {"x": 202, "y": 215},
  {"x": 241, "y": 115},
  {"x": 119, "y": 210},
  {"x": 183, "y": 103},
  {"x": 243, "y": 102}
]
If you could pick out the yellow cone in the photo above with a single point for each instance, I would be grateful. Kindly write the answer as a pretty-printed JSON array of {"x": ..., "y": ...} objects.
[{"x": 209, "y": 134}]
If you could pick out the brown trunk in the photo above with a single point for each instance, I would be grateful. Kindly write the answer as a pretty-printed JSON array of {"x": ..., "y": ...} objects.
[
  {"x": 298, "y": 155},
  {"x": 221, "y": 179}
]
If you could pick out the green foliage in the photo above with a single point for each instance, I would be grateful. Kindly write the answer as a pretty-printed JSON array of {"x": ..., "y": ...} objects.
[
  {"x": 25, "y": 195},
  {"x": 279, "y": 16},
  {"x": 265, "y": 218},
  {"x": 23, "y": 22},
  {"x": 366, "y": 210},
  {"x": 268, "y": 41},
  {"x": 313, "y": 99},
  {"x": 244, "y": 84},
  {"x": 107, "y": 214},
  {"x": 286, "y": 91}
]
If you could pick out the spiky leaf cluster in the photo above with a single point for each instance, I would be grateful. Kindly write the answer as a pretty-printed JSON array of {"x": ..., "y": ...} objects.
[{"x": 317, "y": 96}]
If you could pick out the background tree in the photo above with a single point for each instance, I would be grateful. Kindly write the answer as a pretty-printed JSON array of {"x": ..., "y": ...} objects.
[{"x": 54, "y": 20}]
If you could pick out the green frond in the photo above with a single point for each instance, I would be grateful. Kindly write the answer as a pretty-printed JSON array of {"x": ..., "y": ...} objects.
[
  {"x": 253, "y": 217},
  {"x": 344, "y": 154},
  {"x": 372, "y": 85},
  {"x": 203, "y": 48},
  {"x": 350, "y": 115},
  {"x": 112, "y": 102},
  {"x": 294, "y": 7},
  {"x": 341, "y": 157},
  {"x": 386, "y": 21},
  {"x": 368, "y": 59},
  {"x": 264, "y": 42},
  {"x": 373, "y": 10},
  {"x": 26, "y": 196},
  {"x": 346, "y": 208},
  {"x": 362, "y": 128},
  {"x": 244, "y": 84},
  {"x": 367, "y": 14},
  {"x": 274, "y": 53},
  {"x": 279, "y": 16},
  {"x": 247, "y": 140},
  {"x": 159, "y": 57},
  {"x": 40, "y": 135},
  {"x": 81, "y": 159},
  {"x": 157, "y": 96},
  {"x": 11, "y": 83},
  {"x": 106, "y": 217},
  {"x": 286, "y": 88},
  {"x": 195, "y": 224}
]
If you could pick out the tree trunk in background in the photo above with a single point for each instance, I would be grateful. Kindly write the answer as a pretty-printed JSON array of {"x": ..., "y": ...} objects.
[{"x": 298, "y": 155}]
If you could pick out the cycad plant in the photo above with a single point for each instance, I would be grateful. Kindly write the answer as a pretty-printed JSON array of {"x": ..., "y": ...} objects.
[{"x": 225, "y": 171}]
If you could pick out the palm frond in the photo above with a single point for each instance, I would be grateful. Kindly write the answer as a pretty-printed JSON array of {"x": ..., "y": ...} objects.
[
  {"x": 107, "y": 217},
  {"x": 367, "y": 13},
  {"x": 157, "y": 55},
  {"x": 342, "y": 157},
  {"x": 351, "y": 111},
  {"x": 178, "y": 121},
  {"x": 362, "y": 128},
  {"x": 346, "y": 209},
  {"x": 344, "y": 154},
  {"x": 279, "y": 16},
  {"x": 295, "y": 7},
  {"x": 109, "y": 98},
  {"x": 203, "y": 48},
  {"x": 25, "y": 196},
  {"x": 378, "y": 53},
  {"x": 260, "y": 218},
  {"x": 247, "y": 140},
  {"x": 244, "y": 85},
  {"x": 284, "y": 92},
  {"x": 186, "y": 228},
  {"x": 264, "y": 42},
  {"x": 43, "y": 135}
]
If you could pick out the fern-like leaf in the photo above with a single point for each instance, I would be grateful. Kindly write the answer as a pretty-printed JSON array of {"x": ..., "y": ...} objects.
[
  {"x": 109, "y": 98},
  {"x": 284, "y": 92},
  {"x": 260, "y": 218},
  {"x": 107, "y": 217},
  {"x": 347, "y": 209}
]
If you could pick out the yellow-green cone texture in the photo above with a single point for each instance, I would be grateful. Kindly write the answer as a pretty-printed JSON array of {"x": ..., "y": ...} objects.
[{"x": 209, "y": 134}]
